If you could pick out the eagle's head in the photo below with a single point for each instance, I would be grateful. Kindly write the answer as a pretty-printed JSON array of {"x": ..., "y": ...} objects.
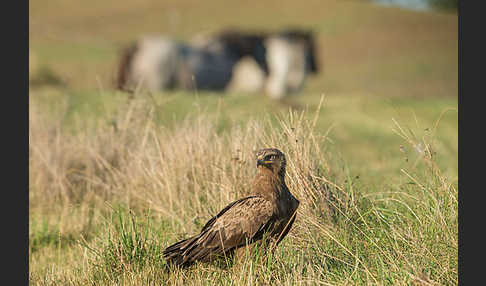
[{"x": 271, "y": 159}]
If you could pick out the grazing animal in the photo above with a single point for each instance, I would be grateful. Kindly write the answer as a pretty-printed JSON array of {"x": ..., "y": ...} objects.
[
  {"x": 267, "y": 214},
  {"x": 290, "y": 56},
  {"x": 157, "y": 63},
  {"x": 151, "y": 63}
]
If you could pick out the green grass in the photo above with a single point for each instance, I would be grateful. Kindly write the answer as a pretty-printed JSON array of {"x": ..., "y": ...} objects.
[
  {"x": 372, "y": 146},
  {"x": 360, "y": 127},
  {"x": 381, "y": 221}
]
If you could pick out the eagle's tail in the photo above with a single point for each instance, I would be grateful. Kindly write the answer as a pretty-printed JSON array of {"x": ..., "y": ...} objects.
[
  {"x": 185, "y": 252},
  {"x": 180, "y": 253}
]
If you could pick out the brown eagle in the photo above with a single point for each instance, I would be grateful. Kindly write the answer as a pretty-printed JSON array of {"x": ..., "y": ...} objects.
[{"x": 267, "y": 214}]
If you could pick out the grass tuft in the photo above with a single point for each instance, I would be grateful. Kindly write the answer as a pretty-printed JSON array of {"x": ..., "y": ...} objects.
[{"x": 128, "y": 244}]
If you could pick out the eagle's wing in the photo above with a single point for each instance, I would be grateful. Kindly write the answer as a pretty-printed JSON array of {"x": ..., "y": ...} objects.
[{"x": 242, "y": 221}]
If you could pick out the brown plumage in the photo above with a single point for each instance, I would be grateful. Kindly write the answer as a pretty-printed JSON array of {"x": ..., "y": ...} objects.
[{"x": 268, "y": 213}]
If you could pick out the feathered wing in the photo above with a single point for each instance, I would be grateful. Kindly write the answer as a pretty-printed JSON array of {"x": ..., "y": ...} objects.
[
  {"x": 292, "y": 208},
  {"x": 241, "y": 221}
]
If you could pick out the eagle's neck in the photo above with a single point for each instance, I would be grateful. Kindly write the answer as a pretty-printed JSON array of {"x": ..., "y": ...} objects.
[{"x": 269, "y": 185}]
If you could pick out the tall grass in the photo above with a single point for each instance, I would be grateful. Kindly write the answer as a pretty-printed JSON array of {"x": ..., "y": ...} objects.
[{"x": 167, "y": 182}]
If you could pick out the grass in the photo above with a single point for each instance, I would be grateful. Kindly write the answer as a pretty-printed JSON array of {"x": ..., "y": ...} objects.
[
  {"x": 169, "y": 181},
  {"x": 371, "y": 142},
  {"x": 360, "y": 127}
]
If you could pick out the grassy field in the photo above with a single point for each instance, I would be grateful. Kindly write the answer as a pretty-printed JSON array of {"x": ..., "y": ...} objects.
[{"x": 372, "y": 146}]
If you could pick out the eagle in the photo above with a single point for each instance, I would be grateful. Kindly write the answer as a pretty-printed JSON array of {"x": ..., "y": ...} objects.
[{"x": 261, "y": 219}]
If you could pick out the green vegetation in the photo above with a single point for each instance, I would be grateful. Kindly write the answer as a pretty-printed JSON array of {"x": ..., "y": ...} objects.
[
  {"x": 114, "y": 178},
  {"x": 445, "y": 4},
  {"x": 168, "y": 180}
]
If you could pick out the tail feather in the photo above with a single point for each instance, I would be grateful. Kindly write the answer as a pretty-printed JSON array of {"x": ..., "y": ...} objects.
[
  {"x": 185, "y": 252},
  {"x": 178, "y": 253}
]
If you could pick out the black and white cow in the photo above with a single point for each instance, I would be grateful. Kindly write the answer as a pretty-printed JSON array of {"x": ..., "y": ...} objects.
[
  {"x": 277, "y": 63},
  {"x": 290, "y": 57},
  {"x": 156, "y": 62}
]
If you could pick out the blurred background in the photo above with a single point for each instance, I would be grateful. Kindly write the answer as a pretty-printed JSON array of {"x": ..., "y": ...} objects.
[{"x": 379, "y": 61}]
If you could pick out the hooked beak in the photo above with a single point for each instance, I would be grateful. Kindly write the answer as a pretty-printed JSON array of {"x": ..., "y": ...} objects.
[{"x": 260, "y": 161}]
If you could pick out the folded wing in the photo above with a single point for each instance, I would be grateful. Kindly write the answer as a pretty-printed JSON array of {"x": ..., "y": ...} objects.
[{"x": 243, "y": 221}]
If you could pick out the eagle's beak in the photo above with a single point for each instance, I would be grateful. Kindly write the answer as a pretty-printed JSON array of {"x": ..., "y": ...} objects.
[{"x": 259, "y": 162}]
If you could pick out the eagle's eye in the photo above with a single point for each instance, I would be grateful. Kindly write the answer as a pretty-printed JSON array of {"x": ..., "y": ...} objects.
[{"x": 270, "y": 157}]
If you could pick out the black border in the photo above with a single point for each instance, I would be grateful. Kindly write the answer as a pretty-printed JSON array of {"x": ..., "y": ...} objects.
[
  {"x": 471, "y": 87},
  {"x": 15, "y": 140}
]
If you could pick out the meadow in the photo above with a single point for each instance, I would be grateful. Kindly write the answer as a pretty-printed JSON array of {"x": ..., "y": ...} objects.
[{"x": 371, "y": 142}]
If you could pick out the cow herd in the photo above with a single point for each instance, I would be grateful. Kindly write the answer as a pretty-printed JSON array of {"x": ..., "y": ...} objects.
[{"x": 274, "y": 63}]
